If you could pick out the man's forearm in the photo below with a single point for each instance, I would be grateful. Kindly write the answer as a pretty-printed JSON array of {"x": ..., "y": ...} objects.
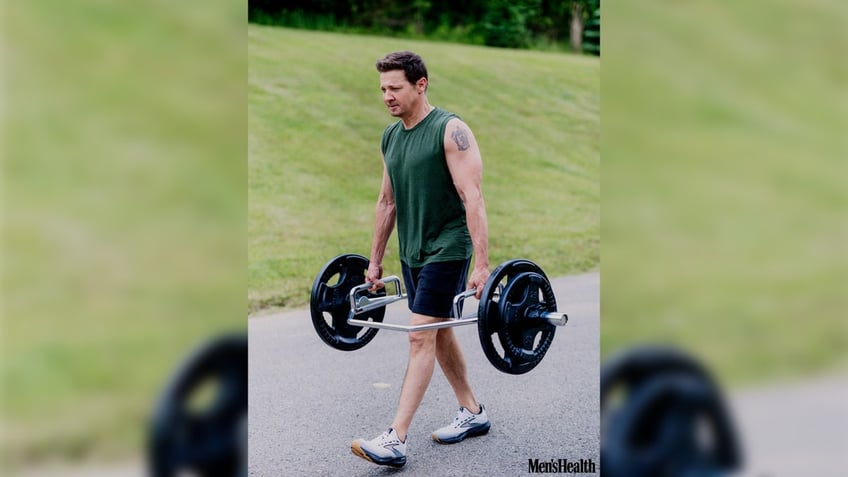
[
  {"x": 383, "y": 226},
  {"x": 475, "y": 215}
]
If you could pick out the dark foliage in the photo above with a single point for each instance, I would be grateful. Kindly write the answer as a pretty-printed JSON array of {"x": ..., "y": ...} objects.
[{"x": 503, "y": 23}]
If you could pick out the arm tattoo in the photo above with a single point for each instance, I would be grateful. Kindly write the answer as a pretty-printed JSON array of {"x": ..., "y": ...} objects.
[{"x": 460, "y": 138}]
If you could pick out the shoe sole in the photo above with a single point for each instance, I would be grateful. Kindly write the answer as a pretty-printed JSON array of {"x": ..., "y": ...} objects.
[
  {"x": 360, "y": 452},
  {"x": 469, "y": 433}
]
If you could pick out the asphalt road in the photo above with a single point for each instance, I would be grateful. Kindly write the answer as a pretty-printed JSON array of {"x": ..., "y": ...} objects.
[
  {"x": 797, "y": 428},
  {"x": 794, "y": 428},
  {"x": 308, "y": 401}
]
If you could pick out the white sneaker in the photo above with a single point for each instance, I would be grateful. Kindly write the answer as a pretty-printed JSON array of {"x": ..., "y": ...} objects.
[
  {"x": 465, "y": 424},
  {"x": 385, "y": 449}
]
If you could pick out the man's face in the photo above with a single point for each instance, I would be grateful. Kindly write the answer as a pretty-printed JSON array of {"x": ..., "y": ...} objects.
[{"x": 399, "y": 95}]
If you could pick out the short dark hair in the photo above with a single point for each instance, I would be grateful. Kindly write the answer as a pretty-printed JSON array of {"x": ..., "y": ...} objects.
[{"x": 411, "y": 64}]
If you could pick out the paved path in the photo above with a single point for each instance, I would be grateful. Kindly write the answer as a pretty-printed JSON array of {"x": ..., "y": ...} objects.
[
  {"x": 788, "y": 430},
  {"x": 307, "y": 401},
  {"x": 794, "y": 429},
  {"x": 298, "y": 384}
]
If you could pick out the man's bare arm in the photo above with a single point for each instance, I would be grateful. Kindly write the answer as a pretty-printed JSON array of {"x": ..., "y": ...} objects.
[
  {"x": 466, "y": 168},
  {"x": 384, "y": 223}
]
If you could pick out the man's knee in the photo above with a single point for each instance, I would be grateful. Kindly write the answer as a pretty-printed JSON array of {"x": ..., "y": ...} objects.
[{"x": 422, "y": 340}]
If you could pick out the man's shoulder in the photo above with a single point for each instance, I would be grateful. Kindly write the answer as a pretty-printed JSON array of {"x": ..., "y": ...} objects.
[
  {"x": 446, "y": 115},
  {"x": 391, "y": 128},
  {"x": 447, "y": 119},
  {"x": 387, "y": 135},
  {"x": 450, "y": 119}
]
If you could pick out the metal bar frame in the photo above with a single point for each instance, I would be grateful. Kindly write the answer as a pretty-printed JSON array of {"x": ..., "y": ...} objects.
[
  {"x": 363, "y": 304},
  {"x": 411, "y": 328}
]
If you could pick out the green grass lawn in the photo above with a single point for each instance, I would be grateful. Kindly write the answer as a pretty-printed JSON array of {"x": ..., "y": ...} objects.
[
  {"x": 724, "y": 197},
  {"x": 315, "y": 121},
  {"x": 123, "y": 232}
]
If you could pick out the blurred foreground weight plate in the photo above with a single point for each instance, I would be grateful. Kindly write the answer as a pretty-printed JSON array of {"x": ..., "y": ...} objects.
[
  {"x": 662, "y": 415},
  {"x": 199, "y": 425}
]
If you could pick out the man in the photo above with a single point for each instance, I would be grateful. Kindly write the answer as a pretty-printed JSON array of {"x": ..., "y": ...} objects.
[{"x": 432, "y": 172}]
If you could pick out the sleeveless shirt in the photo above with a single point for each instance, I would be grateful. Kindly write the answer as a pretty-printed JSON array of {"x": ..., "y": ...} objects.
[{"x": 431, "y": 220}]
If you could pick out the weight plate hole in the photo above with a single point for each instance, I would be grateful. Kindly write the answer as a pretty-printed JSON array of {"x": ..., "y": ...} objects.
[
  {"x": 706, "y": 434},
  {"x": 498, "y": 348},
  {"x": 203, "y": 396}
]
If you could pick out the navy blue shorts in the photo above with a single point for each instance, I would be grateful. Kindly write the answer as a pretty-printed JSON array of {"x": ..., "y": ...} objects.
[{"x": 431, "y": 288}]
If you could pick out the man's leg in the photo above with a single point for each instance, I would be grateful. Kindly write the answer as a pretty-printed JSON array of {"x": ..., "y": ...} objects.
[
  {"x": 471, "y": 420},
  {"x": 452, "y": 363},
  {"x": 419, "y": 370}
]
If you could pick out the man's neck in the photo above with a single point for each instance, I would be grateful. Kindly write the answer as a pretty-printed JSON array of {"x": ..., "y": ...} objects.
[{"x": 418, "y": 115}]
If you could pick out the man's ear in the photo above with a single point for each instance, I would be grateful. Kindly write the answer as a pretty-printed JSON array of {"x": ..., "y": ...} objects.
[{"x": 421, "y": 85}]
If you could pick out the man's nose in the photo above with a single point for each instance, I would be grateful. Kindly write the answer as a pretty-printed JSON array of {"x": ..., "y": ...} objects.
[{"x": 387, "y": 96}]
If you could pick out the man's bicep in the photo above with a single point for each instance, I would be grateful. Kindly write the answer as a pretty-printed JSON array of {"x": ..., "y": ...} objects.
[
  {"x": 462, "y": 153},
  {"x": 459, "y": 138}
]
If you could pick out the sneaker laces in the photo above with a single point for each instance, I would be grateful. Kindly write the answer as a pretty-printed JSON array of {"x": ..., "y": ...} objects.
[
  {"x": 386, "y": 437},
  {"x": 460, "y": 417}
]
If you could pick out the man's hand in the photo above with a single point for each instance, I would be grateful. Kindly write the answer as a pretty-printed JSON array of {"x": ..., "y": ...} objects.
[
  {"x": 478, "y": 280},
  {"x": 373, "y": 275}
]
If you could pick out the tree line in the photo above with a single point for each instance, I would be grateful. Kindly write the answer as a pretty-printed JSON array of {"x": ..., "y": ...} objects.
[{"x": 501, "y": 23}]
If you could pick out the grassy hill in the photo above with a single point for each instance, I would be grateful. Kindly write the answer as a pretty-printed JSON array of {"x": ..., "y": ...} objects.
[
  {"x": 724, "y": 200},
  {"x": 122, "y": 194},
  {"x": 315, "y": 120}
]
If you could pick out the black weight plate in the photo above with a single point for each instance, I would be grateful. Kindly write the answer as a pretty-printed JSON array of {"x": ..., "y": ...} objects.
[
  {"x": 489, "y": 323},
  {"x": 525, "y": 341},
  {"x": 657, "y": 404},
  {"x": 330, "y": 305},
  {"x": 198, "y": 423},
  {"x": 669, "y": 426}
]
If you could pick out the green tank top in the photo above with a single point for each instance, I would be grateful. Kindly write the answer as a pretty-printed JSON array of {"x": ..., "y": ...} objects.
[{"x": 430, "y": 215}]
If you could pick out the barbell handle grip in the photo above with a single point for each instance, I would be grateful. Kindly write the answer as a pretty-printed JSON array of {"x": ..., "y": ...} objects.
[
  {"x": 458, "y": 299},
  {"x": 356, "y": 309}
]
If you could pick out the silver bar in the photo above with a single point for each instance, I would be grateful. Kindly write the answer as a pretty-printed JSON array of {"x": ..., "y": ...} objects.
[
  {"x": 363, "y": 303},
  {"x": 555, "y": 317},
  {"x": 410, "y": 328}
]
